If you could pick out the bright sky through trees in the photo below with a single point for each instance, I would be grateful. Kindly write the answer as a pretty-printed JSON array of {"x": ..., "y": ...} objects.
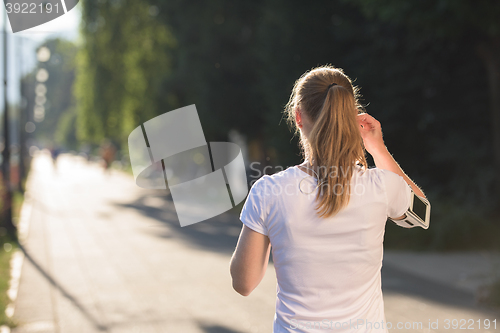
[{"x": 26, "y": 42}]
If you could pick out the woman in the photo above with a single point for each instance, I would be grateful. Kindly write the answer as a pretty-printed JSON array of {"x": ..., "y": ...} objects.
[{"x": 324, "y": 218}]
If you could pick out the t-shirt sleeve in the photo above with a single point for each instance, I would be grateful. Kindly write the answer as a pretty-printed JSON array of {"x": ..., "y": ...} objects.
[
  {"x": 398, "y": 194},
  {"x": 253, "y": 214}
]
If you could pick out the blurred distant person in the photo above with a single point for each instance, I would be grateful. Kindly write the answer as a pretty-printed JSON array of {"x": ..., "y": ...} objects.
[
  {"x": 108, "y": 152},
  {"x": 325, "y": 218},
  {"x": 54, "y": 153}
]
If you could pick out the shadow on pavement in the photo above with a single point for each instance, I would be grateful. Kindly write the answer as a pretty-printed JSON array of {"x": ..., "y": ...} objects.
[
  {"x": 95, "y": 322},
  {"x": 217, "y": 329},
  {"x": 395, "y": 280},
  {"x": 220, "y": 234}
]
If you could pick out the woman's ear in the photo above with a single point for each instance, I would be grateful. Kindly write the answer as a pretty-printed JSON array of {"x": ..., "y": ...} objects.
[{"x": 298, "y": 117}]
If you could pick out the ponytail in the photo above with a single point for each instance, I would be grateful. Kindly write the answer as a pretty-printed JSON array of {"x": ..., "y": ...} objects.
[{"x": 334, "y": 145}]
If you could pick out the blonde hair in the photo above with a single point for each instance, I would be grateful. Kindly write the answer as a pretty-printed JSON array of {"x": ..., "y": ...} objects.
[{"x": 327, "y": 97}]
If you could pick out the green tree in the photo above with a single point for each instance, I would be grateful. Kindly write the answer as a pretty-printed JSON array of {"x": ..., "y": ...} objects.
[
  {"x": 59, "y": 95},
  {"x": 123, "y": 59},
  {"x": 215, "y": 63},
  {"x": 452, "y": 20}
]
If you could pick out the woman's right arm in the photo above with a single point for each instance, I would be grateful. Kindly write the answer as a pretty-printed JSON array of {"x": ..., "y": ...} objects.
[{"x": 371, "y": 132}]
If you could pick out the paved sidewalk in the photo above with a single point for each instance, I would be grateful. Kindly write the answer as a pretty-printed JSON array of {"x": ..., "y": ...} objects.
[
  {"x": 465, "y": 271},
  {"x": 437, "y": 292},
  {"x": 103, "y": 255}
]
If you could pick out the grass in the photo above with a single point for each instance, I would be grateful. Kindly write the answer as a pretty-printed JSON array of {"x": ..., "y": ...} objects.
[
  {"x": 5, "y": 257},
  {"x": 8, "y": 245}
]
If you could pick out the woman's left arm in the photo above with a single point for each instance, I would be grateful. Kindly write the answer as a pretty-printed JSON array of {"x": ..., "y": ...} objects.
[{"x": 250, "y": 259}]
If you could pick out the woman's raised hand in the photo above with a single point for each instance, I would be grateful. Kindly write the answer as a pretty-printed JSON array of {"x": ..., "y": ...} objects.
[{"x": 371, "y": 132}]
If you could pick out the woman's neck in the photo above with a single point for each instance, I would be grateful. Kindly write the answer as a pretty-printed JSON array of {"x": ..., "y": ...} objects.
[
  {"x": 307, "y": 167},
  {"x": 313, "y": 169}
]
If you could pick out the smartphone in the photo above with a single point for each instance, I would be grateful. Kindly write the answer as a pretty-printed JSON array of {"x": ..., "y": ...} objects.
[{"x": 417, "y": 215}]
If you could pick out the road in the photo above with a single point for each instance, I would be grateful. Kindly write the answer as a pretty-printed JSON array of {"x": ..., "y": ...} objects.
[{"x": 103, "y": 255}]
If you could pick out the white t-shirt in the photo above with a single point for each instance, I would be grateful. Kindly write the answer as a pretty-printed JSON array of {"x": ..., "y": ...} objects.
[{"x": 328, "y": 269}]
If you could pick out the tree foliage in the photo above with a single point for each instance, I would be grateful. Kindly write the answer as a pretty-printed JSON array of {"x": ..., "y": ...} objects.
[
  {"x": 59, "y": 96},
  {"x": 418, "y": 62},
  {"x": 121, "y": 65},
  {"x": 440, "y": 18}
]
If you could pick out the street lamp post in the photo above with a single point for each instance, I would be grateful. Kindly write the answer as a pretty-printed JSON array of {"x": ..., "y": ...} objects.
[
  {"x": 22, "y": 133},
  {"x": 7, "y": 205}
]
